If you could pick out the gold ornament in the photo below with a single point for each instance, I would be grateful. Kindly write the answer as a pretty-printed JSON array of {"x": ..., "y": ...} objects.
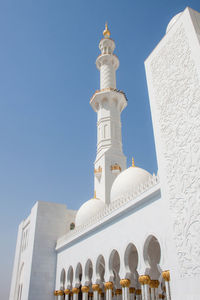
[
  {"x": 154, "y": 284},
  {"x": 166, "y": 275},
  {"x": 106, "y": 32},
  {"x": 108, "y": 285},
  {"x": 125, "y": 282},
  {"x": 144, "y": 279},
  {"x": 75, "y": 290},
  {"x": 95, "y": 287},
  {"x": 118, "y": 292},
  {"x": 67, "y": 291},
  {"x": 85, "y": 289},
  {"x": 131, "y": 290},
  {"x": 138, "y": 292}
]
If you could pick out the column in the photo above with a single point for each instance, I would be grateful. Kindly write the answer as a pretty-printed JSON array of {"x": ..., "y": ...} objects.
[
  {"x": 101, "y": 294},
  {"x": 90, "y": 295},
  {"x": 67, "y": 292},
  {"x": 125, "y": 283},
  {"x": 95, "y": 288},
  {"x": 59, "y": 294},
  {"x": 75, "y": 292},
  {"x": 144, "y": 281},
  {"x": 85, "y": 290},
  {"x": 153, "y": 284},
  {"x": 138, "y": 293},
  {"x": 108, "y": 289},
  {"x": 118, "y": 294},
  {"x": 166, "y": 277},
  {"x": 132, "y": 293}
]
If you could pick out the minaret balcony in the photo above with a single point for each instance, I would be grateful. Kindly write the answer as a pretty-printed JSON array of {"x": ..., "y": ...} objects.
[{"x": 114, "y": 96}]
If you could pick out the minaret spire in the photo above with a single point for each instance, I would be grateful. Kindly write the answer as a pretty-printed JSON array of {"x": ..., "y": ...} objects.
[
  {"x": 106, "y": 32},
  {"x": 108, "y": 103}
]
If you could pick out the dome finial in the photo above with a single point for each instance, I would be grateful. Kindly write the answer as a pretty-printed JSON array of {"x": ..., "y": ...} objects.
[
  {"x": 106, "y": 31},
  {"x": 133, "y": 162}
]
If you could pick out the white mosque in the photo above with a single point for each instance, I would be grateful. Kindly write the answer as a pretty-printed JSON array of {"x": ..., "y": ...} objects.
[{"x": 138, "y": 238}]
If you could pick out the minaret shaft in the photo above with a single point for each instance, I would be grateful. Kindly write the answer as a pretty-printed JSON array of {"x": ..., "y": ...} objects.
[{"x": 108, "y": 103}]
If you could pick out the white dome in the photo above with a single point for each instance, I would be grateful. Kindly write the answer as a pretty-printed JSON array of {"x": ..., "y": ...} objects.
[
  {"x": 128, "y": 181},
  {"x": 173, "y": 21},
  {"x": 88, "y": 210}
]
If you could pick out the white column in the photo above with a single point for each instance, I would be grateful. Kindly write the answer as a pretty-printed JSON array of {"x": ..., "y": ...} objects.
[
  {"x": 118, "y": 294},
  {"x": 138, "y": 294},
  {"x": 144, "y": 281},
  {"x": 95, "y": 288},
  {"x": 67, "y": 292},
  {"x": 166, "y": 276},
  {"x": 75, "y": 292},
  {"x": 100, "y": 294},
  {"x": 125, "y": 283},
  {"x": 154, "y": 289},
  {"x": 85, "y": 290},
  {"x": 108, "y": 288},
  {"x": 132, "y": 293}
]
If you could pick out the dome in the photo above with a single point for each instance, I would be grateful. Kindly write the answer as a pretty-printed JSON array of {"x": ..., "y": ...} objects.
[
  {"x": 88, "y": 210},
  {"x": 173, "y": 21},
  {"x": 128, "y": 181}
]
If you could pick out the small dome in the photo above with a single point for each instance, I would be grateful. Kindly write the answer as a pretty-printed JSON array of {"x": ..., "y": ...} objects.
[
  {"x": 88, "y": 210},
  {"x": 173, "y": 21},
  {"x": 128, "y": 181}
]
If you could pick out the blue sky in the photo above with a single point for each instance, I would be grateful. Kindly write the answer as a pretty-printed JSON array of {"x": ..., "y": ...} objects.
[{"x": 47, "y": 127}]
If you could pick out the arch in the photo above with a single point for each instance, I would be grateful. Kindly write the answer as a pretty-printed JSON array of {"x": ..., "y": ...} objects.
[
  {"x": 88, "y": 271},
  {"x": 131, "y": 258},
  {"x": 114, "y": 267},
  {"x": 70, "y": 274},
  {"x": 152, "y": 255},
  {"x": 62, "y": 279},
  {"x": 100, "y": 268},
  {"x": 78, "y": 275}
]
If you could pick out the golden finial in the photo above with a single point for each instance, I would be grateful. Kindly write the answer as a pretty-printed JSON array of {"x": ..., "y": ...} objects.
[
  {"x": 95, "y": 196},
  {"x": 133, "y": 162},
  {"x": 106, "y": 31}
]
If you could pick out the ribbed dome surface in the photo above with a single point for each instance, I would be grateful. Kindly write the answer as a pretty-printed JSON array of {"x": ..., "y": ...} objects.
[
  {"x": 128, "y": 181},
  {"x": 88, "y": 210}
]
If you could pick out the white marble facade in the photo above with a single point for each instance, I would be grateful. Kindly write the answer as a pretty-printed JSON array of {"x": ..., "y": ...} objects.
[{"x": 138, "y": 238}]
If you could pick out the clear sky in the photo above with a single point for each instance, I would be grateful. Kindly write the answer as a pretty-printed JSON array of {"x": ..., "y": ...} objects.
[{"x": 47, "y": 127}]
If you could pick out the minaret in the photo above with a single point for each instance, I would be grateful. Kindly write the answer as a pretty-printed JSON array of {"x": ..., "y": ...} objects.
[{"x": 108, "y": 103}]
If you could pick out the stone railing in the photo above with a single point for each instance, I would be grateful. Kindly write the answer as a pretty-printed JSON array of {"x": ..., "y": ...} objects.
[{"x": 108, "y": 209}]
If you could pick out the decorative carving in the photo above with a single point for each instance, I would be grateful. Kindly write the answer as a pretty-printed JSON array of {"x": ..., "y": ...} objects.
[
  {"x": 125, "y": 282},
  {"x": 177, "y": 94}
]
